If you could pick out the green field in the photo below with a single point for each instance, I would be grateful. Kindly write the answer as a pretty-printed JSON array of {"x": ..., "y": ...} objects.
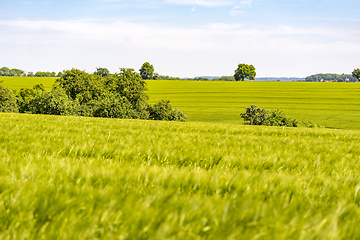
[
  {"x": 333, "y": 105},
  {"x": 92, "y": 178},
  {"x": 16, "y": 83}
]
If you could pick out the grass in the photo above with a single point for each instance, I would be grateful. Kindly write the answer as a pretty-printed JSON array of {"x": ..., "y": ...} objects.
[
  {"x": 333, "y": 105},
  {"x": 90, "y": 178}
]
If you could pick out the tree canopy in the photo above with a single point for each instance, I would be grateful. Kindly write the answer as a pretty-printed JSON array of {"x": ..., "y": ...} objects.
[
  {"x": 356, "y": 74},
  {"x": 147, "y": 71},
  {"x": 245, "y": 71}
]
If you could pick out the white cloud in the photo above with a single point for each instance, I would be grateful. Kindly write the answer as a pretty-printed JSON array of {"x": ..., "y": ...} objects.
[
  {"x": 214, "y": 49},
  {"x": 193, "y": 9}
]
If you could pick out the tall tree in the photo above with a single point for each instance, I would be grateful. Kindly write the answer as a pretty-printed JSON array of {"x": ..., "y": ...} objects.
[
  {"x": 245, "y": 71},
  {"x": 356, "y": 74},
  {"x": 147, "y": 71}
]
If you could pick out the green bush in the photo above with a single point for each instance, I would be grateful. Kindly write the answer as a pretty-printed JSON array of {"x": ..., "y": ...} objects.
[
  {"x": 7, "y": 100},
  {"x": 256, "y": 116},
  {"x": 113, "y": 106},
  {"x": 162, "y": 110},
  {"x": 121, "y": 95},
  {"x": 278, "y": 118},
  {"x": 55, "y": 102}
]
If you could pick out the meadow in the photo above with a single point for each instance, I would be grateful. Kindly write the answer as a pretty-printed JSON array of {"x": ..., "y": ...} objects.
[
  {"x": 92, "y": 178},
  {"x": 333, "y": 105}
]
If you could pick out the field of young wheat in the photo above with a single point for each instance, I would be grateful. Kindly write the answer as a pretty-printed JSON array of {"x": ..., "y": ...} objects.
[
  {"x": 91, "y": 178},
  {"x": 333, "y": 105}
]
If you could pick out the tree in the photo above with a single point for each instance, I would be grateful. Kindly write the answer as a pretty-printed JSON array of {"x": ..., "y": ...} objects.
[
  {"x": 82, "y": 86},
  {"x": 147, "y": 71},
  {"x": 102, "y": 72},
  {"x": 4, "y": 71},
  {"x": 245, "y": 71},
  {"x": 356, "y": 74}
]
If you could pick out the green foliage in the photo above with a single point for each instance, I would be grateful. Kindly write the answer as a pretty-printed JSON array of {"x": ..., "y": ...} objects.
[
  {"x": 92, "y": 178},
  {"x": 245, "y": 71},
  {"x": 102, "y": 72},
  {"x": 130, "y": 85},
  {"x": 356, "y": 74},
  {"x": 312, "y": 125},
  {"x": 5, "y": 71},
  {"x": 147, "y": 71},
  {"x": 278, "y": 118},
  {"x": 82, "y": 86},
  {"x": 113, "y": 106},
  {"x": 162, "y": 110},
  {"x": 256, "y": 116},
  {"x": 45, "y": 74},
  {"x": 330, "y": 77},
  {"x": 7, "y": 100},
  {"x": 121, "y": 95},
  {"x": 167, "y": 77},
  {"x": 54, "y": 102}
]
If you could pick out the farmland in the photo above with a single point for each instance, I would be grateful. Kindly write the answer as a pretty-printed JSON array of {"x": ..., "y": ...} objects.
[
  {"x": 87, "y": 178},
  {"x": 333, "y": 105}
]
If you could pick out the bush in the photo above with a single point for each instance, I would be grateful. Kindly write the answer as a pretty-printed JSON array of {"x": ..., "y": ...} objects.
[
  {"x": 278, "y": 118},
  {"x": 162, "y": 110},
  {"x": 8, "y": 101},
  {"x": 55, "y": 102},
  {"x": 113, "y": 106},
  {"x": 256, "y": 116}
]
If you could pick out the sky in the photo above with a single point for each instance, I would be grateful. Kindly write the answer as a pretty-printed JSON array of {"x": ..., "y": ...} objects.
[{"x": 182, "y": 38}]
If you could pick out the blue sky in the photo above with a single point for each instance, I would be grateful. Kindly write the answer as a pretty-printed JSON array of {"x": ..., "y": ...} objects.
[{"x": 185, "y": 38}]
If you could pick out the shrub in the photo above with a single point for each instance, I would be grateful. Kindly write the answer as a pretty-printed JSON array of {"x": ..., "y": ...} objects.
[
  {"x": 55, "y": 102},
  {"x": 113, "y": 106},
  {"x": 7, "y": 100},
  {"x": 277, "y": 118},
  {"x": 162, "y": 110},
  {"x": 256, "y": 116}
]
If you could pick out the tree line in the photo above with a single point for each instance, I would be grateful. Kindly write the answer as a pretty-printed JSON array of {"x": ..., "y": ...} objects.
[
  {"x": 5, "y": 71},
  {"x": 98, "y": 94},
  {"x": 322, "y": 77}
]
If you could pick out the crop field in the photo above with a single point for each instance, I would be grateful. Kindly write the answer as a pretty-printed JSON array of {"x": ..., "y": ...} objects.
[
  {"x": 16, "y": 83},
  {"x": 333, "y": 105},
  {"x": 92, "y": 178}
]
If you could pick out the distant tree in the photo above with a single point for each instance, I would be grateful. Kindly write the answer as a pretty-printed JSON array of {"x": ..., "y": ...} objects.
[
  {"x": 227, "y": 78},
  {"x": 4, "y": 71},
  {"x": 147, "y": 71},
  {"x": 17, "y": 72},
  {"x": 245, "y": 71},
  {"x": 60, "y": 74},
  {"x": 102, "y": 72},
  {"x": 30, "y": 74},
  {"x": 356, "y": 74}
]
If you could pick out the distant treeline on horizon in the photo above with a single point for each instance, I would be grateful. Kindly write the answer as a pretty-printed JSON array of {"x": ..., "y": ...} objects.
[{"x": 321, "y": 77}]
